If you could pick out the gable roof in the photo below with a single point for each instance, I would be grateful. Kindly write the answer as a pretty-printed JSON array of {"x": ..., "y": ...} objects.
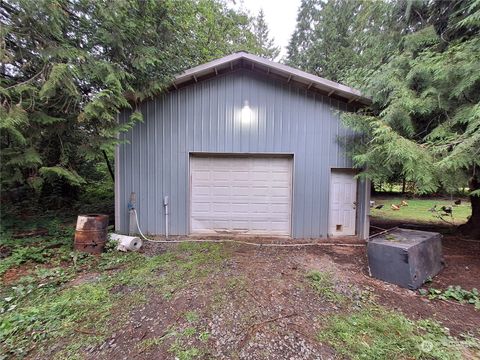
[{"x": 288, "y": 73}]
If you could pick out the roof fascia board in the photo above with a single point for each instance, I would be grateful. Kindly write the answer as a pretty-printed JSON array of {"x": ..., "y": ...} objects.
[{"x": 290, "y": 73}]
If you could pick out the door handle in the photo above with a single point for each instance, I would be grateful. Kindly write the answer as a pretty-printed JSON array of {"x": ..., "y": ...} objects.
[{"x": 354, "y": 205}]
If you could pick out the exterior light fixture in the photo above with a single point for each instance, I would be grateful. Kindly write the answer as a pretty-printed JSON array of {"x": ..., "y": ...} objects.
[{"x": 246, "y": 114}]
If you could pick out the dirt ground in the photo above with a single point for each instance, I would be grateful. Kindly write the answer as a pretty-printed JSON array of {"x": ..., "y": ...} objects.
[{"x": 259, "y": 306}]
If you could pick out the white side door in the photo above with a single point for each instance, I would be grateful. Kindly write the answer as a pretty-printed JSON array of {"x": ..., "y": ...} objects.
[{"x": 343, "y": 197}]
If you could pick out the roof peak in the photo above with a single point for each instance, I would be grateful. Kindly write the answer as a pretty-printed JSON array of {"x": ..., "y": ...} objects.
[{"x": 226, "y": 63}]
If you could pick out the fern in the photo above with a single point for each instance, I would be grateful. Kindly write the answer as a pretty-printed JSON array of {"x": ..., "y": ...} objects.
[
  {"x": 26, "y": 159},
  {"x": 70, "y": 176}
]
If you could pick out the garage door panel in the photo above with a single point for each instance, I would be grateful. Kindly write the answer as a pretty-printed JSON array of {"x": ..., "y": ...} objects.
[
  {"x": 260, "y": 207},
  {"x": 263, "y": 176},
  {"x": 240, "y": 224},
  {"x": 279, "y": 208},
  {"x": 278, "y": 192},
  {"x": 218, "y": 208},
  {"x": 238, "y": 175},
  {"x": 237, "y": 191},
  {"x": 219, "y": 191},
  {"x": 276, "y": 226},
  {"x": 220, "y": 177},
  {"x": 277, "y": 199},
  {"x": 202, "y": 190},
  {"x": 240, "y": 208},
  {"x": 201, "y": 199},
  {"x": 201, "y": 207},
  {"x": 241, "y": 194},
  {"x": 204, "y": 175},
  {"x": 259, "y": 191}
]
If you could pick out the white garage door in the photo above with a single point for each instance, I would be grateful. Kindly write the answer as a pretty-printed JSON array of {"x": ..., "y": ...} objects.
[{"x": 250, "y": 195}]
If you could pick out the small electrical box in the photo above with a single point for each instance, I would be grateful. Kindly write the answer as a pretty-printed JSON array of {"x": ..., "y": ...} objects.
[{"x": 405, "y": 257}]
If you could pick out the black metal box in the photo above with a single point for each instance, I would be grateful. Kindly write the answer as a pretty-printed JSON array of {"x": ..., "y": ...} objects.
[{"x": 405, "y": 257}]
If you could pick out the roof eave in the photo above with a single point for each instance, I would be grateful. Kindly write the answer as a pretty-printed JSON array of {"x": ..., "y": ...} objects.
[{"x": 291, "y": 74}]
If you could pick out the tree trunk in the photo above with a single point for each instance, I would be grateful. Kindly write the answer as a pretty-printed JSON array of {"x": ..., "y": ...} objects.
[
  {"x": 110, "y": 170},
  {"x": 404, "y": 184},
  {"x": 472, "y": 227}
]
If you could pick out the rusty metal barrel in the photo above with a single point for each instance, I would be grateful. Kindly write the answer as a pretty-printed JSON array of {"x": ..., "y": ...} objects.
[{"x": 91, "y": 233}]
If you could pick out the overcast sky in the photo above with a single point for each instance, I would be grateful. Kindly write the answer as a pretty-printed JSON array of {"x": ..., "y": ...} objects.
[{"x": 280, "y": 15}]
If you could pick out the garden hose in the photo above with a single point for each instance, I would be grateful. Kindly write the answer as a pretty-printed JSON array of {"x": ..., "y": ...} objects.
[{"x": 235, "y": 241}]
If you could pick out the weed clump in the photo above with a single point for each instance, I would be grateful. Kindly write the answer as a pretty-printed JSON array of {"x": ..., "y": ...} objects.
[
  {"x": 456, "y": 293},
  {"x": 324, "y": 285}
]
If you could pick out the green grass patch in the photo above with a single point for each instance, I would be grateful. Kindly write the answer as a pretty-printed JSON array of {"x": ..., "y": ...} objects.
[
  {"x": 40, "y": 309},
  {"x": 172, "y": 270},
  {"x": 191, "y": 316},
  {"x": 181, "y": 344},
  {"x": 375, "y": 333},
  {"x": 181, "y": 352},
  {"x": 182, "y": 347},
  {"x": 324, "y": 285},
  {"x": 150, "y": 343},
  {"x": 236, "y": 282},
  {"x": 52, "y": 314},
  {"x": 417, "y": 210},
  {"x": 204, "y": 336}
]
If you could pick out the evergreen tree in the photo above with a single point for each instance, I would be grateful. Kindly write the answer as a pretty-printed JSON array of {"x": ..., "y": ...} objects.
[
  {"x": 302, "y": 38},
  {"x": 265, "y": 43},
  {"x": 425, "y": 117},
  {"x": 68, "y": 67},
  {"x": 336, "y": 39},
  {"x": 419, "y": 62}
]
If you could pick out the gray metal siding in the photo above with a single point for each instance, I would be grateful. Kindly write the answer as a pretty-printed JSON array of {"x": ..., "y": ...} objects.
[
  {"x": 205, "y": 117},
  {"x": 363, "y": 209}
]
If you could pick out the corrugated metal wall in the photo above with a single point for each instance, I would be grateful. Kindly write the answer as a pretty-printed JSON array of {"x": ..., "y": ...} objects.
[{"x": 205, "y": 117}]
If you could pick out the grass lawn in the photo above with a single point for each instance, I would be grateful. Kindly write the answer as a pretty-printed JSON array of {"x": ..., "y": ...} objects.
[
  {"x": 80, "y": 302},
  {"x": 417, "y": 210},
  {"x": 198, "y": 301}
]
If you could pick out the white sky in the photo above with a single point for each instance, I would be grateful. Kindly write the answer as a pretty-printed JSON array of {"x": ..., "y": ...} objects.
[{"x": 280, "y": 15}]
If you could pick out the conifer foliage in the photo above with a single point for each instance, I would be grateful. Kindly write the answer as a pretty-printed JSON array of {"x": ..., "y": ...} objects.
[
  {"x": 68, "y": 67},
  {"x": 425, "y": 117},
  {"x": 419, "y": 62},
  {"x": 336, "y": 38},
  {"x": 267, "y": 47}
]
